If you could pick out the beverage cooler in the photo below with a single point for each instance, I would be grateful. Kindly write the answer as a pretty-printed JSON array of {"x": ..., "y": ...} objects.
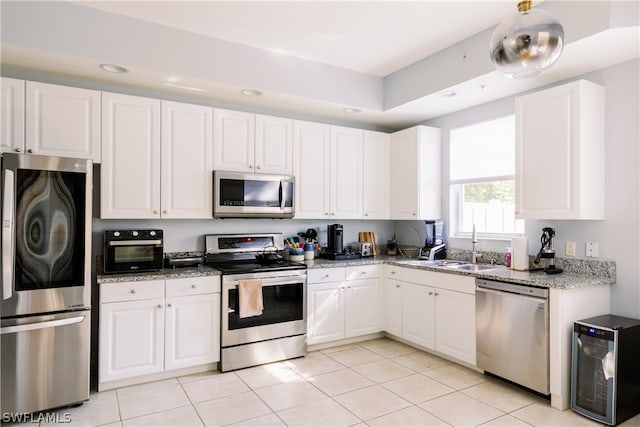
[{"x": 605, "y": 368}]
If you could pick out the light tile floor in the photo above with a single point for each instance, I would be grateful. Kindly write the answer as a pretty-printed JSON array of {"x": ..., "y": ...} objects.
[{"x": 373, "y": 383}]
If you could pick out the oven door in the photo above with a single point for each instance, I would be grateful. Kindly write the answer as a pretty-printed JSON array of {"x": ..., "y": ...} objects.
[{"x": 284, "y": 314}]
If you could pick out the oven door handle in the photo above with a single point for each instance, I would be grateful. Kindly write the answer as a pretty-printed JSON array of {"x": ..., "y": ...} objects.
[
  {"x": 134, "y": 242},
  {"x": 270, "y": 282},
  {"x": 8, "y": 233}
]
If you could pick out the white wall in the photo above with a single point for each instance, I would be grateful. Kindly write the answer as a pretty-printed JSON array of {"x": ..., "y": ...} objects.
[
  {"x": 188, "y": 235},
  {"x": 618, "y": 235}
]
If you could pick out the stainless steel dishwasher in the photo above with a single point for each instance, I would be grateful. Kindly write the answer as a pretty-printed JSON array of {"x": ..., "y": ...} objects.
[{"x": 512, "y": 332}]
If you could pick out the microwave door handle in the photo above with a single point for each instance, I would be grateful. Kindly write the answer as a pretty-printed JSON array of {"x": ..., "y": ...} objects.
[
  {"x": 8, "y": 227},
  {"x": 281, "y": 194}
]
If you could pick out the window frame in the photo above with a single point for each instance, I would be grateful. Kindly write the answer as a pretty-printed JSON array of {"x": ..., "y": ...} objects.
[{"x": 456, "y": 187}]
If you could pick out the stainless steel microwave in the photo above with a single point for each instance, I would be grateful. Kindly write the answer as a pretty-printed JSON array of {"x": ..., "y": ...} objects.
[{"x": 250, "y": 195}]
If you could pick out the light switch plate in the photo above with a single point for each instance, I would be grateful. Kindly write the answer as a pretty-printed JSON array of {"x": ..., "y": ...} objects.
[
  {"x": 591, "y": 250},
  {"x": 570, "y": 249}
]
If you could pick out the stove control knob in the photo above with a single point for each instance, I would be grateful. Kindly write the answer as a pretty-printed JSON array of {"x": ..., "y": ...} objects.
[
  {"x": 152, "y": 233},
  {"x": 116, "y": 234},
  {"x": 134, "y": 233}
]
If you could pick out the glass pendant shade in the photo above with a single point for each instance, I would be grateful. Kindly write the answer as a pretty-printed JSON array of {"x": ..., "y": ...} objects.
[{"x": 525, "y": 44}]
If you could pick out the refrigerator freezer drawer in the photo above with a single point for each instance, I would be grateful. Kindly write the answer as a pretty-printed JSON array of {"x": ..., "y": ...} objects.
[{"x": 45, "y": 361}]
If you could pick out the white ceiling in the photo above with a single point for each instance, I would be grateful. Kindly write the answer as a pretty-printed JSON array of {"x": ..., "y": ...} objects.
[
  {"x": 371, "y": 37},
  {"x": 371, "y": 43}
]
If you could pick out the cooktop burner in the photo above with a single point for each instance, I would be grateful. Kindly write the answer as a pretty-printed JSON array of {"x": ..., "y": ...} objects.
[
  {"x": 247, "y": 253},
  {"x": 256, "y": 267}
]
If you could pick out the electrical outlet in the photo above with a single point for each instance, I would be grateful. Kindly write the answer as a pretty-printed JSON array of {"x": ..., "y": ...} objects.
[
  {"x": 591, "y": 250},
  {"x": 570, "y": 249}
]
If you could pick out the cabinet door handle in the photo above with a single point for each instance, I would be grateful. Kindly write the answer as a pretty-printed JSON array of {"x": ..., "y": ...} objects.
[
  {"x": 430, "y": 293},
  {"x": 397, "y": 286},
  {"x": 393, "y": 272},
  {"x": 258, "y": 167},
  {"x": 29, "y": 150},
  {"x": 168, "y": 305},
  {"x": 326, "y": 213},
  {"x": 437, "y": 294},
  {"x": 165, "y": 212},
  {"x": 326, "y": 276},
  {"x": 133, "y": 291},
  {"x": 363, "y": 272},
  {"x": 333, "y": 213},
  {"x": 250, "y": 166},
  {"x": 155, "y": 212},
  {"x": 366, "y": 214},
  {"x": 159, "y": 305},
  {"x": 18, "y": 149},
  {"x": 193, "y": 286}
]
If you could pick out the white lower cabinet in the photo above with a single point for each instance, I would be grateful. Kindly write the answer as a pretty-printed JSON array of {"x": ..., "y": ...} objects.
[
  {"x": 418, "y": 309},
  {"x": 343, "y": 303},
  {"x": 433, "y": 310},
  {"x": 131, "y": 339},
  {"x": 148, "y": 327}
]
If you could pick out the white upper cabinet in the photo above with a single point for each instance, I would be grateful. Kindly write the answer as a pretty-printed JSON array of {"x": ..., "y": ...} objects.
[
  {"x": 130, "y": 172},
  {"x": 62, "y": 121},
  {"x": 311, "y": 146},
  {"x": 376, "y": 152},
  {"x": 233, "y": 140},
  {"x": 187, "y": 161},
  {"x": 415, "y": 173},
  {"x": 274, "y": 145},
  {"x": 246, "y": 142},
  {"x": 346, "y": 173},
  {"x": 50, "y": 120},
  {"x": 560, "y": 153},
  {"x": 328, "y": 171},
  {"x": 172, "y": 165},
  {"x": 12, "y": 110}
]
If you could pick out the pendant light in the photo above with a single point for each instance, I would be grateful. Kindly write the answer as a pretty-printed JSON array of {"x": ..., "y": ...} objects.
[{"x": 525, "y": 44}]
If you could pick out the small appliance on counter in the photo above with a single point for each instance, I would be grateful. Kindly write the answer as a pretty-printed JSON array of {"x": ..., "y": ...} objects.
[
  {"x": 335, "y": 245},
  {"x": 127, "y": 251},
  {"x": 366, "y": 249},
  {"x": 605, "y": 379},
  {"x": 182, "y": 261},
  {"x": 434, "y": 247},
  {"x": 547, "y": 251}
]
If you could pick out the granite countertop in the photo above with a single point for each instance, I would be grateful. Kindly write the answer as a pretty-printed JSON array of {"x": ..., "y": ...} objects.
[
  {"x": 563, "y": 280},
  {"x": 165, "y": 273},
  {"x": 501, "y": 273}
]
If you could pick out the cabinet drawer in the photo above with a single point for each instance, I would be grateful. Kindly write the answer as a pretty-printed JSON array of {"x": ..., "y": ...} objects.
[
  {"x": 363, "y": 272},
  {"x": 451, "y": 281},
  {"x": 394, "y": 272},
  {"x": 325, "y": 275},
  {"x": 193, "y": 286},
  {"x": 131, "y": 291}
]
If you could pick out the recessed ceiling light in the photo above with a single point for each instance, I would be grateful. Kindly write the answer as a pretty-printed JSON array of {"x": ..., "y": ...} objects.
[
  {"x": 112, "y": 68},
  {"x": 351, "y": 110},
  {"x": 447, "y": 93},
  {"x": 250, "y": 92}
]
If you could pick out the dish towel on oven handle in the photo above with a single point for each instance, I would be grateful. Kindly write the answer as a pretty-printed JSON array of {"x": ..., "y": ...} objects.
[{"x": 250, "y": 297}]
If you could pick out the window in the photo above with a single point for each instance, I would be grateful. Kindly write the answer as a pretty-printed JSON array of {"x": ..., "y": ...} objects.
[{"x": 482, "y": 179}]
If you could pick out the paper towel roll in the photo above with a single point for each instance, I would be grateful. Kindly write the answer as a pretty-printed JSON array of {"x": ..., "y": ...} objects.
[{"x": 520, "y": 253}]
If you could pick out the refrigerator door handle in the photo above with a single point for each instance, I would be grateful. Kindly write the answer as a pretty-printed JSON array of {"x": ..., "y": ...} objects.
[
  {"x": 8, "y": 228},
  {"x": 41, "y": 325}
]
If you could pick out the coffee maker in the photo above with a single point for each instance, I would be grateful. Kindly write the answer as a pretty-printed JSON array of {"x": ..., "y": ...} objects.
[
  {"x": 434, "y": 247},
  {"x": 335, "y": 243},
  {"x": 547, "y": 252}
]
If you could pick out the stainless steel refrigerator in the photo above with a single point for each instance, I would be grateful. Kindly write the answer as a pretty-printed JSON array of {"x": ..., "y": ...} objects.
[{"x": 46, "y": 281}]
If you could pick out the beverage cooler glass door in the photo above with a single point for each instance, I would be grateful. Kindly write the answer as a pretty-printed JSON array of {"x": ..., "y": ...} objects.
[
  {"x": 46, "y": 232},
  {"x": 594, "y": 373}
]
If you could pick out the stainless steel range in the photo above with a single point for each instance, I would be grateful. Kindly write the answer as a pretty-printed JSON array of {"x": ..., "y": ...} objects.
[{"x": 264, "y": 300}]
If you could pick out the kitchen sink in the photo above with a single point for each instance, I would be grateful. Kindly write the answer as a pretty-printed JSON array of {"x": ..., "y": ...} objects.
[{"x": 478, "y": 267}]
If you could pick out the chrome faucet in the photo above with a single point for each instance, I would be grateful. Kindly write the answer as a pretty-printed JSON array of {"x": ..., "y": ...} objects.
[{"x": 474, "y": 241}]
